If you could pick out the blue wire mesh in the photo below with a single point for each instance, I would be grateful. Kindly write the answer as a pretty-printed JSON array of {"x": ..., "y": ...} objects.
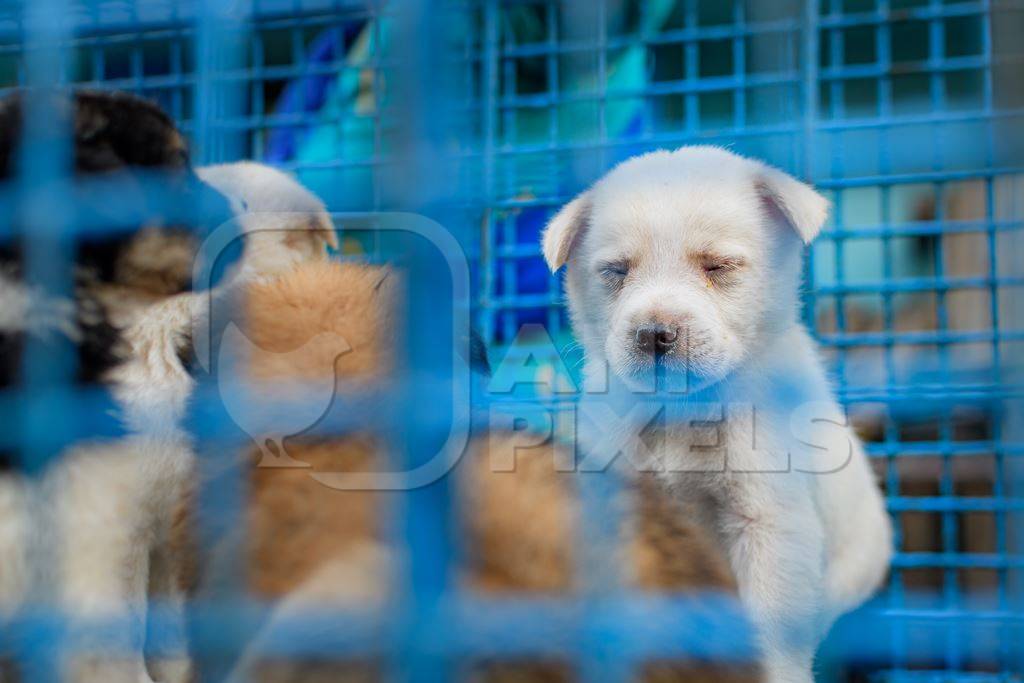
[{"x": 905, "y": 112}]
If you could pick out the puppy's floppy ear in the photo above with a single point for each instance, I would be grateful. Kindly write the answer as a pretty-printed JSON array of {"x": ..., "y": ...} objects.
[
  {"x": 798, "y": 203},
  {"x": 563, "y": 229},
  {"x": 323, "y": 228}
]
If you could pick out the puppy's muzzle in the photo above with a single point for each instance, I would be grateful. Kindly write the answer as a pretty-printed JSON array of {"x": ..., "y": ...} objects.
[{"x": 656, "y": 339}]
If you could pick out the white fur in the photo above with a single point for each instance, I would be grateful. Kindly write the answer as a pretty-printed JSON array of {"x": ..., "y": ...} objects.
[
  {"x": 99, "y": 518},
  {"x": 30, "y": 310},
  {"x": 788, "y": 484},
  {"x": 14, "y": 530}
]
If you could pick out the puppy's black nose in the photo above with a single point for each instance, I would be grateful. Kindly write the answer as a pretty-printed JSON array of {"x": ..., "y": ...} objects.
[{"x": 656, "y": 339}]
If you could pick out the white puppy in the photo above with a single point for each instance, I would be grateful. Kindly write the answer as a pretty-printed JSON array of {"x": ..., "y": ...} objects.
[{"x": 683, "y": 270}]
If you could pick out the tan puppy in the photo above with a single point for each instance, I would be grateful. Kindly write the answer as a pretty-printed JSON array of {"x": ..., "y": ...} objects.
[{"x": 313, "y": 547}]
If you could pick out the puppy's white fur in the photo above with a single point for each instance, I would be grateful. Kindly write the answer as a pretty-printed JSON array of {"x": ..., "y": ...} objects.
[{"x": 708, "y": 243}]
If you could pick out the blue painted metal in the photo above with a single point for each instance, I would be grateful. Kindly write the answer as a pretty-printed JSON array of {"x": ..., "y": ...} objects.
[{"x": 889, "y": 106}]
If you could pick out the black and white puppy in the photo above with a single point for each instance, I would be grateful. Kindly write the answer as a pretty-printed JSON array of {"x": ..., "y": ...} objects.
[
  {"x": 103, "y": 500},
  {"x": 123, "y": 140}
]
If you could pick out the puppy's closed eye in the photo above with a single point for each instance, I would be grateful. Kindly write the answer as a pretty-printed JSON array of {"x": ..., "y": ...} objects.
[
  {"x": 613, "y": 273},
  {"x": 717, "y": 269}
]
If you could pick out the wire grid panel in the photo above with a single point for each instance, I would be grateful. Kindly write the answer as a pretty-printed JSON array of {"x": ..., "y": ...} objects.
[
  {"x": 925, "y": 194},
  {"x": 891, "y": 107}
]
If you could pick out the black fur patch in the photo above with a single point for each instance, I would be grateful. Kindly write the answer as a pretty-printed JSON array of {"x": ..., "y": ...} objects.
[
  {"x": 112, "y": 130},
  {"x": 100, "y": 346},
  {"x": 12, "y": 344}
]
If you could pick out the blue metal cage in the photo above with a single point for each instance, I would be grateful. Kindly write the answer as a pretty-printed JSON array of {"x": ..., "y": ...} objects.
[{"x": 487, "y": 115}]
